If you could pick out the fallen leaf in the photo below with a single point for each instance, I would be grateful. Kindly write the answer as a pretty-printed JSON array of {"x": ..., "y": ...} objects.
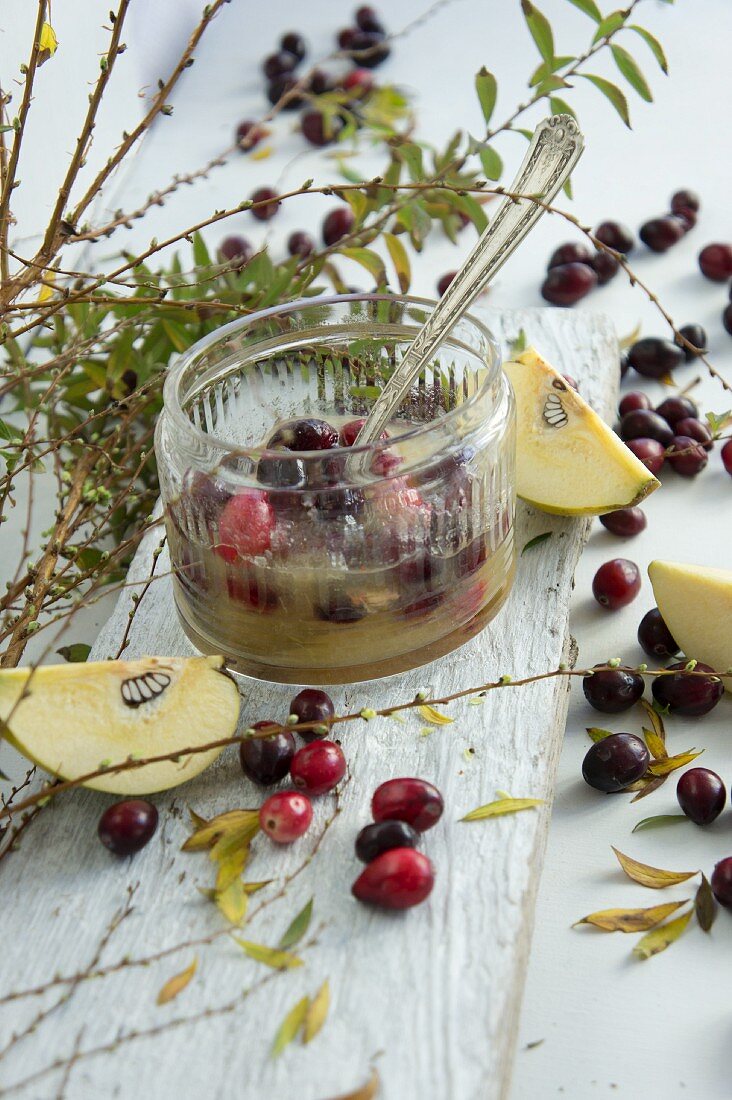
[
  {"x": 317, "y": 1013},
  {"x": 654, "y": 718},
  {"x": 656, "y": 745},
  {"x": 630, "y": 920},
  {"x": 298, "y": 927},
  {"x": 177, "y": 984},
  {"x": 255, "y": 887},
  {"x": 596, "y": 734},
  {"x": 208, "y": 833},
  {"x": 502, "y": 806},
  {"x": 653, "y": 877},
  {"x": 290, "y": 1026},
  {"x": 705, "y": 906},
  {"x": 434, "y": 716},
  {"x": 366, "y": 1092},
  {"x": 660, "y": 938},
  {"x": 672, "y": 763},
  {"x": 648, "y": 787},
  {"x": 536, "y": 541},
  {"x": 270, "y": 956},
  {"x": 630, "y": 339},
  {"x": 232, "y": 902},
  {"x": 657, "y": 821}
]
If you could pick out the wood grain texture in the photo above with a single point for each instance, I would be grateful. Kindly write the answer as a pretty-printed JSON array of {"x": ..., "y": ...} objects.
[{"x": 430, "y": 997}]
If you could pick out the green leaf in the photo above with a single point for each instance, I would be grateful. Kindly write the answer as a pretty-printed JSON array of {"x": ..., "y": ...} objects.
[
  {"x": 560, "y": 107},
  {"x": 411, "y": 154},
  {"x": 487, "y": 89},
  {"x": 536, "y": 541},
  {"x": 654, "y": 45},
  {"x": 358, "y": 203},
  {"x": 611, "y": 92},
  {"x": 596, "y": 734},
  {"x": 290, "y": 1026},
  {"x": 502, "y": 806},
  {"x": 369, "y": 260},
  {"x": 567, "y": 188},
  {"x": 201, "y": 257},
  {"x": 658, "y": 821},
  {"x": 270, "y": 956},
  {"x": 660, "y": 938},
  {"x": 705, "y": 906},
  {"x": 75, "y": 653},
  {"x": 540, "y": 29},
  {"x": 589, "y": 7},
  {"x": 519, "y": 344},
  {"x": 400, "y": 259},
  {"x": 490, "y": 162},
  {"x": 298, "y": 927},
  {"x": 610, "y": 24},
  {"x": 628, "y": 66}
]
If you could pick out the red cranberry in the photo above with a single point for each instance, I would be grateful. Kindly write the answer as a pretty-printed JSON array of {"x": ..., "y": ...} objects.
[
  {"x": 412, "y": 800},
  {"x": 613, "y": 690},
  {"x": 396, "y": 879},
  {"x": 726, "y": 454},
  {"x": 625, "y": 522},
  {"x": 659, "y": 234},
  {"x": 633, "y": 401},
  {"x": 237, "y": 251},
  {"x": 358, "y": 80},
  {"x": 654, "y": 357},
  {"x": 346, "y": 37},
  {"x": 279, "y": 64},
  {"x": 318, "y": 767},
  {"x": 266, "y": 760},
  {"x": 444, "y": 281},
  {"x": 285, "y": 816},
  {"x": 574, "y": 252},
  {"x": 249, "y": 134},
  {"x": 317, "y": 130},
  {"x": 568, "y": 283},
  {"x": 697, "y": 430},
  {"x": 674, "y": 409},
  {"x": 645, "y": 424},
  {"x": 687, "y": 217},
  {"x": 294, "y": 43},
  {"x": 368, "y": 20},
  {"x": 126, "y": 827},
  {"x": 313, "y": 706},
  {"x": 687, "y": 457},
  {"x": 715, "y": 262},
  {"x": 701, "y": 794},
  {"x": 280, "y": 87},
  {"x": 245, "y": 528},
  {"x": 655, "y": 637},
  {"x": 721, "y": 881},
  {"x": 383, "y": 835},
  {"x": 615, "y": 762},
  {"x": 300, "y": 243},
  {"x": 686, "y": 693},
  {"x": 370, "y": 46},
  {"x": 615, "y": 235},
  {"x": 616, "y": 583},
  {"x": 337, "y": 224},
  {"x": 266, "y": 209},
  {"x": 727, "y": 318},
  {"x": 685, "y": 198},
  {"x": 651, "y": 453},
  {"x": 605, "y": 267}
]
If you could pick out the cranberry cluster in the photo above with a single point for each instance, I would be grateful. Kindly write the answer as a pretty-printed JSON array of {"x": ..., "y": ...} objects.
[
  {"x": 660, "y": 234},
  {"x": 397, "y": 876},
  {"x": 672, "y": 432}
]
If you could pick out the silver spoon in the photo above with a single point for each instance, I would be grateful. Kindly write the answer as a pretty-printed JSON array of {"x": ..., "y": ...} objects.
[{"x": 555, "y": 148}]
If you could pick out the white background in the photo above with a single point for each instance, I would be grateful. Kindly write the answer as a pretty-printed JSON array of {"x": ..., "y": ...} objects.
[{"x": 609, "y": 1025}]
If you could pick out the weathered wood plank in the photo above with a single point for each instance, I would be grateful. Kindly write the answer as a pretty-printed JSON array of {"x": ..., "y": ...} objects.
[{"x": 430, "y": 997}]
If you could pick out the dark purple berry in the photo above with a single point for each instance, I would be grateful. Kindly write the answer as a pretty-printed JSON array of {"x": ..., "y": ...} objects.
[
  {"x": 688, "y": 693},
  {"x": 266, "y": 208},
  {"x": 315, "y": 707},
  {"x": 444, "y": 281},
  {"x": 715, "y": 262},
  {"x": 633, "y": 401},
  {"x": 266, "y": 760},
  {"x": 294, "y": 43},
  {"x": 625, "y": 522},
  {"x": 687, "y": 457},
  {"x": 279, "y": 88},
  {"x": 615, "y": 762},
  {"x": 319, "y": 131},
  {"x": 249, "y": 134},
  {"x": 300, "y": 243},
  {"x": 624, "y": 364},
  {"x": 697, "y": 430},
  {"x": 616, "y": 583},
  {"x": 306, "y": 435},
  {"x": 727, "y": 318},
  {"x": 346, "y": 37},
  {"x": 605, "y": 267},
  {"x": 701, "y": 794},
  {"x": 696, "y": 335},
  {"x": 726, "y": 454},
  {"x": 659, "y": 234},
  {"x": 613, "y": 690},
  {"x": 237, "y": 251},
  {"x": 371, "y": 47},
  {"x": 686, "y": 216},
  {"x": 383, "y": 835},
  {"x": 674, "y": 409},
  {"x": 574, "y": 252},
  {"x": 685, "y": 198},
  {"x": 651, "y": 453},
  {"x": 645, "y": 424},
  {"x": 320, "y": 82},
  {"x": 615, "y": 235},
  {"x": 654, "y": 357},
  {"x": 368, "y": 20},
  {"x": 568, "y": 283},
  {"x": 654, "y": 636},
  {"x": 126, "y": 827},
  {"x": 279, "y": 64},
  {"x": 337, "y": 224},
  {"x": 721, "y": 881}
]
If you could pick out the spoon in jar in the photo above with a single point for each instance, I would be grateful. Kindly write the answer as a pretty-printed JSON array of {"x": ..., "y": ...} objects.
[{"x": 555, "y": 148}]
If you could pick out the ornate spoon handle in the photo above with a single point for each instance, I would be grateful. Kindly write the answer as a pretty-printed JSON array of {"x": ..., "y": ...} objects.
[{"x": 555, "y": 148}]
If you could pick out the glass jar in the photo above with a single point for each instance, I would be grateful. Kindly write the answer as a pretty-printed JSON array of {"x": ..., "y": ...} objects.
[{"x": 294, "y": 564}]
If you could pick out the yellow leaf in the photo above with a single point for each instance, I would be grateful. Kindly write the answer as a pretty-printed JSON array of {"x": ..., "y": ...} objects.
[
  {"x": 653, "y": 877},
  {"x": 630, "y": 339},
  {"x": 270, "y": 956},
  {"x": 654, "y": 718},
  {"x": 208, "y": 833},
  {"x": 671, "y": 763},
  {"x": 290, "y": 1026},
  {"x": 47, "y": 43},
  {"x": 367, "y": 1092},
  {"x": 433, "y": 716},
  {"x": 177, "y": 984},
  {"x": 232, "y": 902},
  {"x": 47, "y": 287},
  {"x": 502, "y": 806},
  {"x": 232, "y": 859},
  {"x": 656, "y": 746},
  {"x": 261, "y": 154},
  {"x": 316, "y": 1013},
  {"x": 630, "y": 920},
  {"x": 660, "y": 938},
  {"x": 255, "y": 887}
]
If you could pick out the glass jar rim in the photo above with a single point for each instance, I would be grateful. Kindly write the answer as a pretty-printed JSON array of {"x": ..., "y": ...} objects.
[{"x": 171, "y": 390}]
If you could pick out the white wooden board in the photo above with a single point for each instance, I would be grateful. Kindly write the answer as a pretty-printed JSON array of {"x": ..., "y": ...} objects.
[{"x": 430, "y": 997}]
